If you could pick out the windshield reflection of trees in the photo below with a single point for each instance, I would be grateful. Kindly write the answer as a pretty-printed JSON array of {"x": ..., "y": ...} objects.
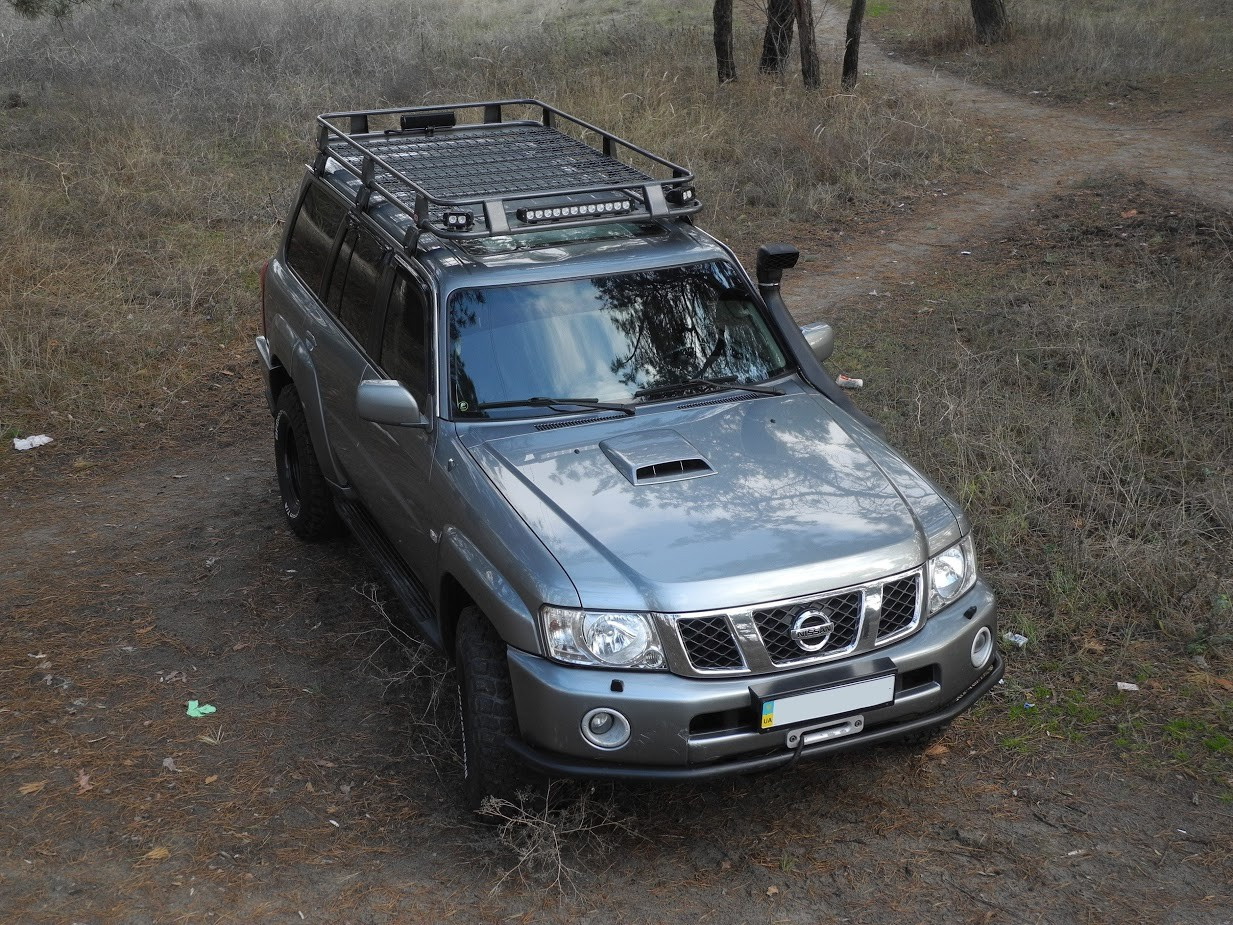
[
  {"x": 609, "y": 335},
  {"x": 782, "y": 488},
  {"x": 678, "y": 322}
]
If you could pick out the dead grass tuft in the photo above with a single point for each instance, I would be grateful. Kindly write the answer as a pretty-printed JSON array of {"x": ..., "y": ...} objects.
[{"x": 551, "y": 835}]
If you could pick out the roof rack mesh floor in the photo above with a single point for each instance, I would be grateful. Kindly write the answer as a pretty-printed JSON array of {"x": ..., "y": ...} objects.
[{"x": 515, "y": 158}]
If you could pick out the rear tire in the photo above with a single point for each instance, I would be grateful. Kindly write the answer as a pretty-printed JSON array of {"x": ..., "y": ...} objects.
[
  {"x": 486, "y": 711},
  {"x": 308, "y": 503}
]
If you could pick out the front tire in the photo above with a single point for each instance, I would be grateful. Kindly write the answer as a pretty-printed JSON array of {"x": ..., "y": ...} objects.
[
  {"x": 486, "y": 700},
  {"x": 923, "y": 738},
  {"x": 308, "y": 503}
]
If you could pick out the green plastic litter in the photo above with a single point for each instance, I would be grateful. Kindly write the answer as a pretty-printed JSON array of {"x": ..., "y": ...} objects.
[{"x": 198, "y": 711}]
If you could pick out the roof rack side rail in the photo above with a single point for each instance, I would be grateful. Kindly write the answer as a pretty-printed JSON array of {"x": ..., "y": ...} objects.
[{"x": 422, "y": 169}]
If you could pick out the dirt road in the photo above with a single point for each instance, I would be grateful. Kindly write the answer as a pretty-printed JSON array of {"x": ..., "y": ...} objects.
[
  {"x": 136, "y": 579},
  {"x": 1060, "y": 148}
]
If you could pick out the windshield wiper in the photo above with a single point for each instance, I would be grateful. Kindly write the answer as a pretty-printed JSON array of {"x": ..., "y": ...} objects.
[
  {"x": 705, "y": 385},
  {"x": 541, "y": 402}
]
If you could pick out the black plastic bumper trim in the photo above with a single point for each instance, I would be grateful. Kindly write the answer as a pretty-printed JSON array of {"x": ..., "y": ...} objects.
[{"x": 565, "y": 766}]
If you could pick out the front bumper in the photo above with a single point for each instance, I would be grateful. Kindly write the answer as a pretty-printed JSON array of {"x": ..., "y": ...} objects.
[{"x": 684, "y": 728}]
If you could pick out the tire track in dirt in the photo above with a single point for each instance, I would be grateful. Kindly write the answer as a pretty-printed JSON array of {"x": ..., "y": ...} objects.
[{"x": 1061, "y": 149}]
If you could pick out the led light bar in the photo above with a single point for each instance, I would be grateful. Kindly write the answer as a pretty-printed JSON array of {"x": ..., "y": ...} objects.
[{"x": 585, "y": 210}]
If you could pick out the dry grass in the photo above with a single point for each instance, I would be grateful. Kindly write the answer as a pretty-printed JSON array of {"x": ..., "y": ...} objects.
[
  {"x": 113, "y": 300},
  {"x": 151, "y": 149},
  {"x": 1105, "y": 50},
  {"x": 1087, "y": 421},
  {"x": 1071, "y": 386}
]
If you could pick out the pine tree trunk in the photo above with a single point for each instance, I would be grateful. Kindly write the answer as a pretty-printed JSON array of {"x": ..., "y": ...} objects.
[
  {"x": 811, "y": 76},
  {"x": 990, "y": 18},
  {"x": 777, "y": 42},
  {"x": 725, "y": 61},
  {"x": 852, "y": 45}
]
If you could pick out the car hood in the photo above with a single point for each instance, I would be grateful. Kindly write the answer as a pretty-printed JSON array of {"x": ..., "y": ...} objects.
[{"x": 736, "y": 503}]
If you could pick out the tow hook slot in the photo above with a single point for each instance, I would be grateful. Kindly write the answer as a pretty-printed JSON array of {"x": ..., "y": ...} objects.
[{"x": 812, "y": 735}]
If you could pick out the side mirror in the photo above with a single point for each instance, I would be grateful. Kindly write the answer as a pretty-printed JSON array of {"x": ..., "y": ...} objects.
[
  {"x": 385, "y": 401},
  {"x": 821, "y": 339}
]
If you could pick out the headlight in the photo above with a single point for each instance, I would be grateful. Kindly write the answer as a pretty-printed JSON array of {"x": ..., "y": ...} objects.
[
  {"x": 603, "y": 638},
  {"x": 951, "y": 573}
]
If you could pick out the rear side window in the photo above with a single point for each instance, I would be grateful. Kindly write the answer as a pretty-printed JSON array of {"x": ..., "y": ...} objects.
[
  {"x": 312, "y": 235},
  {"x": 404, "y": 347},
  {"x": 353, "y": 284}
]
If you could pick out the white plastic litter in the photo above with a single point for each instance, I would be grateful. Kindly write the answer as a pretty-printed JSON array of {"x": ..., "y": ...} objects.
[
  {"x": 29, "y": 443},
  {"x": 849, "y": 382},
  {"x": 1018, "y": 640},
  {"x": 1127, "y": 686}
]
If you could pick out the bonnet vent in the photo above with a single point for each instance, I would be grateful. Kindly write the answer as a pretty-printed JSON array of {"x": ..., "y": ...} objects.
[
  {"x": 655, "y": 456},
  {"x": 671, "y": 471}
]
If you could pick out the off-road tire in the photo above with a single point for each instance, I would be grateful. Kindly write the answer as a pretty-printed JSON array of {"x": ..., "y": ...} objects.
[
  {"x": 486, "y": 712},
  {"x": 308, "y": 503},
  {"x": 922, "y": 738}
]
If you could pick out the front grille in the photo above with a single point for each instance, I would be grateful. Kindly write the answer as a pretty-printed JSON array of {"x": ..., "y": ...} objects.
[
  {"x": 775, "y": 627},
  {"x": 709, "y": 643},
  {"x": 899, "y": 606},
  {"x": 760, "y": 639}
]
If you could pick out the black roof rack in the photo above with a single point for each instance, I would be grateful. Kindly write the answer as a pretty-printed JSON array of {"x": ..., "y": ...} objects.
[{"x": 496, "y": 177}]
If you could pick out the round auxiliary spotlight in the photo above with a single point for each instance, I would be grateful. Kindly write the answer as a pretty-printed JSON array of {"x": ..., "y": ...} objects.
[
  {"x": 982, "y": 647},
  {"x": 605, "y": 728}
]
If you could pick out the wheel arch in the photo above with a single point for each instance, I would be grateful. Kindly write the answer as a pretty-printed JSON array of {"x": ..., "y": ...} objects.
[
  {"x": 303, "y": 376},
  {"x": 279, "y": 378},
  {"x": 452, "y": 599},
  {"x": 469, "y": 577}
]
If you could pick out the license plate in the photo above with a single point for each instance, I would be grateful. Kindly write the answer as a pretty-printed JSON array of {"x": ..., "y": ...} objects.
[{"x": 836, "y": 700}]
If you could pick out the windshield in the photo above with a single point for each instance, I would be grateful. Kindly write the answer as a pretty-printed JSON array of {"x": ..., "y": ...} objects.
[{"x": 606, "y": 338}]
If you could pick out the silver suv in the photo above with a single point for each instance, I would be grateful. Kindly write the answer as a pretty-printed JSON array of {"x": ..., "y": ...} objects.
[{"x": 598, "y": 463}]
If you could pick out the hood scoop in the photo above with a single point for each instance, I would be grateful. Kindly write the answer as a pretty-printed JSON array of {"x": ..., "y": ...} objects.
[{"x": 655, "y": 456}]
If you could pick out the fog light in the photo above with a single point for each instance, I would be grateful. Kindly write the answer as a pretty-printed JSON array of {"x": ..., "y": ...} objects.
[
  {"x": 605, "y": 728},
  {"x": 982, "y": 647}
]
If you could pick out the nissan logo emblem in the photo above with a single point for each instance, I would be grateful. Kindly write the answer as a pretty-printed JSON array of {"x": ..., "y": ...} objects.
[{"x": 812, "y": 630}]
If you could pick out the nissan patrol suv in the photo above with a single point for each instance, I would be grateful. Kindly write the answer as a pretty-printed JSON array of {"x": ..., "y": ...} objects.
[{"x": 599, "y": 464}]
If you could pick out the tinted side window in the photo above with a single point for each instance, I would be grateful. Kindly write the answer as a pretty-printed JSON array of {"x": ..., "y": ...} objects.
[
  {"x": 404, "y": 348},
  {"x": 353, "y": 284},
  {"x": 316, "y": 223}
]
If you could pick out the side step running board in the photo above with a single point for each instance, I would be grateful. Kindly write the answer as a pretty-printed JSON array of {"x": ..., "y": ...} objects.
[{"x": 406, "y": 587}]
